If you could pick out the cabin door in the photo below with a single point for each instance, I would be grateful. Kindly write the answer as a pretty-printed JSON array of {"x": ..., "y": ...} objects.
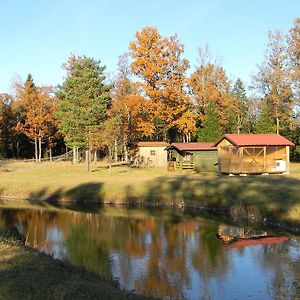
[{"x": 253, "y": 160}]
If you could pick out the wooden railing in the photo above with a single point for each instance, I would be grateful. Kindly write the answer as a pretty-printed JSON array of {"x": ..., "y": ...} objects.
[{"x": 183, "y": 165}]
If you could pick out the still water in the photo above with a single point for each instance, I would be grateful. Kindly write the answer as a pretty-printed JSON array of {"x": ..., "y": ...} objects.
[{"x": 162, "y": 253}]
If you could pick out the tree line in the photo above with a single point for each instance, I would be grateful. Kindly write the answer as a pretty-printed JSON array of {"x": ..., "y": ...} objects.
[{"x": 155, "y": 95}]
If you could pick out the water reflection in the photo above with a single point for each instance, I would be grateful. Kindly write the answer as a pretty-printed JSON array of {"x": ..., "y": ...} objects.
[{"x": 162, "y": 254}]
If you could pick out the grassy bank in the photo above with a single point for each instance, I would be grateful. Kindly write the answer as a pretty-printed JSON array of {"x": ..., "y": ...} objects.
[
  {"x": 275, "y": 197},
  {"x": 28, "y": 274}
]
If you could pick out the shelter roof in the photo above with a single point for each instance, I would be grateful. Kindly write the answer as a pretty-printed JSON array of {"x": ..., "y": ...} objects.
[
  {"x": 153, "y": 144},
  {"x": 251, "y": 139},
  {"x": 193, "y": 146}
]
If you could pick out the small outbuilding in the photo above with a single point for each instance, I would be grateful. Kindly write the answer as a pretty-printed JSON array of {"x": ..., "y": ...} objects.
[
  {"x": 253, "y": 154},
  {"x": 151, "y": 154},
  {"x": 197, "y": 156}
]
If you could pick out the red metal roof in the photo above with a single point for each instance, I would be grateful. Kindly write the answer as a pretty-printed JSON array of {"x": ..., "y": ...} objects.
[
  {"x": 255, "y": 242},
  {"x": 251, "y": 139},
  {"x": 193, "y": 146},
  {"x": 153, "y": 144}
]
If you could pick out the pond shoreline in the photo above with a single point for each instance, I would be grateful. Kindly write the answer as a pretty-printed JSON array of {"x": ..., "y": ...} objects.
[
  {"x": 28, "y": 273},
  {"x": 237, "y": 215}
]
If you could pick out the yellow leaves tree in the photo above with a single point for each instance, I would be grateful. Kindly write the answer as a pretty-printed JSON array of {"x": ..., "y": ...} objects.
[
  {"x": 273, "y": 81},
  {"x": 209, "y": 84},
  {"x": 158, "y": 62}
]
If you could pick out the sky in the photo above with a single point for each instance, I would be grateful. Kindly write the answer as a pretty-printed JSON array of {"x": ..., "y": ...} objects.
[{"x": 38, "y": 36}]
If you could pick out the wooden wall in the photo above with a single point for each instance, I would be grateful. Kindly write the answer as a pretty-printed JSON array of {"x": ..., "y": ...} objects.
[{"x": 152, "y": 157}]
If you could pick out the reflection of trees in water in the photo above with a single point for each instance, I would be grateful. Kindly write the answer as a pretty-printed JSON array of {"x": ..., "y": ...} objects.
[
  {"x": 166, "y": 272},
  {"x": 90, "y": 239},
  {"x": 210, "y": 258},
  {"x": 285, "y": 266},
  {"x": 84, "y": 249},
  {"x": 169, "y": 251}
]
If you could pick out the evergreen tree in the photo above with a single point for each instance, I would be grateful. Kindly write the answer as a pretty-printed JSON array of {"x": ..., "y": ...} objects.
[
  {"x": 84, "y": 100},
  {"x": 240, "y": 97},
  {"x": 265, "y": 123},
  {"x": 212, "y": 128}
]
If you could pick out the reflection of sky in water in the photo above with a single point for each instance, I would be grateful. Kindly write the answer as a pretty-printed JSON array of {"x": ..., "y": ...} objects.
[
  {"x": 129, "y": 248},
  {"x": 55, "y": 243}
]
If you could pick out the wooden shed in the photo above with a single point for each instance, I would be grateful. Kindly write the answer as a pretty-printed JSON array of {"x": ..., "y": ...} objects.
[
  {"x": 151, "y": 154},
  {"x": 253, "y": 153},
  {"x": 197, "y": 156}
]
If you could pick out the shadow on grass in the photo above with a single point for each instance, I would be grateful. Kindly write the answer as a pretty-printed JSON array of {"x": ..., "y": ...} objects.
[
  {"x": 256, "y": 197},
  {"x": 84, "y": 197}
]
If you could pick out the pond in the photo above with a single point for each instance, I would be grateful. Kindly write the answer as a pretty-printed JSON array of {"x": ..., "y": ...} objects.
[{"x": 162, "y": 253}]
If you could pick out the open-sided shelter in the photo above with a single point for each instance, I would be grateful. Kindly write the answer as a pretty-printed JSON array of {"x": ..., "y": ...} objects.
[
  {"x": 151, "y": 154},
  {"x": 253, "y": 153},
  {"x": 197, "y": 156}
]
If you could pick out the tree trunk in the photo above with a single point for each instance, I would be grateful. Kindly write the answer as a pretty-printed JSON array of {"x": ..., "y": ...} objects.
[
  {"x": 50, "y": 154},
  {"x": 95, "y": 156},
  {"x": 110, "y": 150},
  {"x": 116, "y": 150},
  {"x": 239, "y": 125},
  {"x": 125, "y": 149},
  {"x": 87, "y": 160},
  {"x": 36, "y": 149},
  {"x": 74, "y": 155},
  {"x": 40, "y": 149},
  {"x": 18, "y": 150}
]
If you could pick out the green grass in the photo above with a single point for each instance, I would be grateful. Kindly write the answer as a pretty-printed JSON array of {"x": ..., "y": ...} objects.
[
  {"x": 275, "y": 196},
  {"x": 28, "y": 274}
]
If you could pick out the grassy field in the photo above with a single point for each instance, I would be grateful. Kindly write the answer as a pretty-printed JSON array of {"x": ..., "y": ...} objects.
[
  {"x": 272, "y": 197},
  {"x": 28, "y": 274}
]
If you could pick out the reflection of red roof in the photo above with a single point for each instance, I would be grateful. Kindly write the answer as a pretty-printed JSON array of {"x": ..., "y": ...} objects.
[
  {"x": 267, "y": 139},
  {"x": 193, "y": 146},
  {"x": 152, "y": 144},
  {"x": 260, "y": 241}
]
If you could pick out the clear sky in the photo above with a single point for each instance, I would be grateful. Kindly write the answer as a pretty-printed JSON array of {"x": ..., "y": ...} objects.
[{"x": 37, "y": 36}]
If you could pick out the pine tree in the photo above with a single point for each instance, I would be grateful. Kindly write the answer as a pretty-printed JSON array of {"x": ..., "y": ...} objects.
[
  {"x": 84, "y": 101},
  {"x": 240, "y": 98},
  {"x": 212, "y": 128},
  {"x": 265, "y": 123}
]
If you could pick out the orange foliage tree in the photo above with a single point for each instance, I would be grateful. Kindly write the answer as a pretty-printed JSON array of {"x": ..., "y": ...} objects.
[
  {"x": 37, "y": 110},
  {"x": 134, "y": 112},
  {"x": 158, "y": 63}
]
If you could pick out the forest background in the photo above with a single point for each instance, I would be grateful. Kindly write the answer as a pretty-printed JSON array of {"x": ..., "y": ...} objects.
[{"x": 155, "y": 95}]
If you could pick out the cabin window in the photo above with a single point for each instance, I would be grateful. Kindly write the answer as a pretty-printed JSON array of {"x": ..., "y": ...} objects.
[{"x": 152, "y": 152}]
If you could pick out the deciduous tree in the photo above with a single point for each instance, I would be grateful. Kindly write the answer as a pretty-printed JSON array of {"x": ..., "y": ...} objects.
[
  {"x": 158, "y": 62},
  {"x": 37, "y": 109},
  {"x": 209, "y": 84},
  {"x": 273, "y": 82}
]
